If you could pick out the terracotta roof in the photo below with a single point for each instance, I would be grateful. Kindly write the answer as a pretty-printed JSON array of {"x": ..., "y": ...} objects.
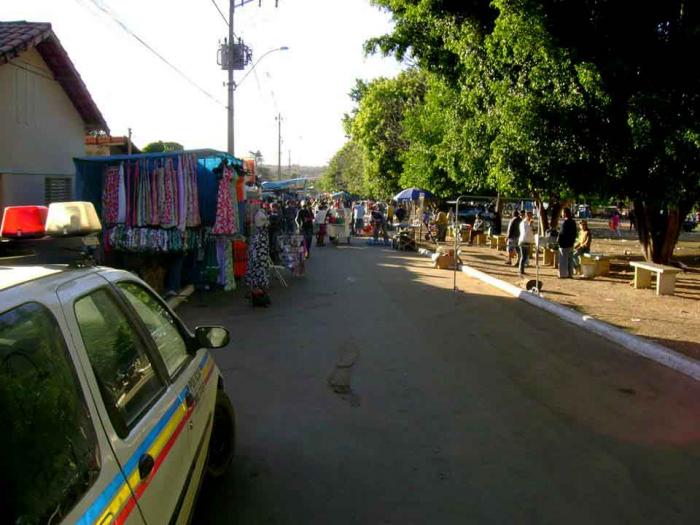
[{"x": 17, "y": 37}]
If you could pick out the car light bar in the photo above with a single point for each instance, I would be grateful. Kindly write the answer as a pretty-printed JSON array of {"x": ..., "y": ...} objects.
[
  {"x": 69, "y": 219},
  {"x": 24, "y": 222}
]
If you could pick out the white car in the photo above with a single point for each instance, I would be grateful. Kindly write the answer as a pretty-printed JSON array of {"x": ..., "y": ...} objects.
[{"x": 112, "y": 409}]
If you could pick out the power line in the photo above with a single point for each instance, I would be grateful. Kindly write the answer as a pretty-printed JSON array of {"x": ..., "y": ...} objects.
[
  {"x": 121, "y": 24},
  {"x": 219, "y": 10}
]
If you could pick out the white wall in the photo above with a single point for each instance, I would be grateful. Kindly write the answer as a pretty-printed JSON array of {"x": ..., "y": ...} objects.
[{"x": 40, "y": 130}]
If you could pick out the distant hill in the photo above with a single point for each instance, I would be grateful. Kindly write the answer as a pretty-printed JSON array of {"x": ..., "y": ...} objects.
[{"x": 269, "y": 171}]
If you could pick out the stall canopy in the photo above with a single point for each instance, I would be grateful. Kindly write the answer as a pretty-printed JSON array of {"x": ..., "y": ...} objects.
[
  {"x": 412, "y": 194},
  {"x": 90, "y": 170},
  {"x": 284, "y": 185}
]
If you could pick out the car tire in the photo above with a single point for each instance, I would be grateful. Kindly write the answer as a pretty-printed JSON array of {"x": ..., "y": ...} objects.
[{"x": 222, "y": 443}]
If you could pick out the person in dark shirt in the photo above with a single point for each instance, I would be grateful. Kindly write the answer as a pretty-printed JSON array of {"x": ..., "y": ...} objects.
[
  {"x": 305, "y": 221},
  {"x": 566, "y": 240},
  {"x": 495, "y": 221},
  {"x": 513, "y": 233},
  {"x": 400, "y": 213}
]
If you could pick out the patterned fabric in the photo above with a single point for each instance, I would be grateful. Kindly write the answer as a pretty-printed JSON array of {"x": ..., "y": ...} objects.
[
  {"x": 258, "y": 276},
  {"x": 224, "y": 224},
  {"x": 110, "y": 195}
]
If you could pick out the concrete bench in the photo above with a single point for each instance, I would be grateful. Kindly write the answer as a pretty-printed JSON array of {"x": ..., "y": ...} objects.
[
  {"x": 601, "y": 260},
  {"x": 498, "y": 242},
  {"x": 665, "y": 276}
]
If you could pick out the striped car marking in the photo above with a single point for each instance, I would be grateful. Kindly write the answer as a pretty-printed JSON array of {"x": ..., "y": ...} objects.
[{"x": 116, "y": 499}]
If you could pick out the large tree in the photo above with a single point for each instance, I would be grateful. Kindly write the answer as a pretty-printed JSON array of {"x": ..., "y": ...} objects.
[
  {"x": 345, "y": 171},
  {"x": 564, "y": 96}
]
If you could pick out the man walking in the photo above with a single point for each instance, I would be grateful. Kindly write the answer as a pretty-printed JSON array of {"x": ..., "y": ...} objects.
[
  {"x": 566, "y": 240},
  {"x": 513, "y": 235},
  {"x": 358, "y": 218},
  {"x": 525, "y": 241}
]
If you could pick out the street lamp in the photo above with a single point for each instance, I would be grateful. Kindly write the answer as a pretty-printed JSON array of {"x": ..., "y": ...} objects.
[{"x": 232, "y": 88}]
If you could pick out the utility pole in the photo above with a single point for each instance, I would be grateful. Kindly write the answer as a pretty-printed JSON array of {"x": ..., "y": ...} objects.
[
  {"x": 289, "y": 164},
  {"x": 231, "y": 85},
  {"x": 128, "y": 146},
  {"x": 279, "y": 146}
]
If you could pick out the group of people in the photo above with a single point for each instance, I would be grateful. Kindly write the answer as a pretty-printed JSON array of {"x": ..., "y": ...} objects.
[{"x": 572, "y": 242}]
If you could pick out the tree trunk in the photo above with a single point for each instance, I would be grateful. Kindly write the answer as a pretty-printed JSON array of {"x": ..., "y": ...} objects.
[
  {"x": 541, "y": 214},
  {"x": 658, "y": 229}
]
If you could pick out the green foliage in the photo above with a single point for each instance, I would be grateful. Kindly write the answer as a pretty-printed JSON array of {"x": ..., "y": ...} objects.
[
  {"x": 345, "y": 171},
  {"x": 162, "y": 147}
]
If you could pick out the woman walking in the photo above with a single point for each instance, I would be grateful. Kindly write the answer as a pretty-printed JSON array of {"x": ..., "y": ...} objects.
[{"x": 525, "y": 242}]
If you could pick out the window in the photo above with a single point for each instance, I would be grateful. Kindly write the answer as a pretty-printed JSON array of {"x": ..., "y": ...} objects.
[
  {"x": 49, "y": 455},
  {"x": 160, "y": 324},
  {"x": 124, "y": 372},
  {"x": 57, "y": 189}
]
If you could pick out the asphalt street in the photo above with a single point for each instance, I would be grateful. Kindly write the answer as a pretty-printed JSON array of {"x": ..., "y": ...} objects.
[{"x": 371, "y": 393}]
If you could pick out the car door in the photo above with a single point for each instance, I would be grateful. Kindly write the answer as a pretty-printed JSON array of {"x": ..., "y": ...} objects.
[
  {"x": 57, "y": 465},
  {"x": 145, "y": 415},
  {"x": 189, "y": 369}
]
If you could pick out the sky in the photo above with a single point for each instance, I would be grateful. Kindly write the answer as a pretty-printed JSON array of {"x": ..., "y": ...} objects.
[{"x": 307, "y": 84}]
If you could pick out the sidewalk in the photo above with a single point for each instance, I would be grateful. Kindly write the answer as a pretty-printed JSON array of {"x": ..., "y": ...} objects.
[{"x": 672, "y": 321}]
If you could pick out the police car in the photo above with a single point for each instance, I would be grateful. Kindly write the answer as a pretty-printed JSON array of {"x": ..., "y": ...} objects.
[{"x": 113, "y": 410}]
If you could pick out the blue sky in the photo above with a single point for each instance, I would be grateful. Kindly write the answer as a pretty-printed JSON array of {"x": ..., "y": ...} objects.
[{"x": 308, "y": 84}]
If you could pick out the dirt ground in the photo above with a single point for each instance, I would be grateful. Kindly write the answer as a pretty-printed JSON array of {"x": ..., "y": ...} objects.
[{"x": 673, "y": 321}]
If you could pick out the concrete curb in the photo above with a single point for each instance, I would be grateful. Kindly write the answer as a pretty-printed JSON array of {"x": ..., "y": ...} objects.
[
  {"x": 176, "y": 300},
  {"x": 638, "y": 345}
]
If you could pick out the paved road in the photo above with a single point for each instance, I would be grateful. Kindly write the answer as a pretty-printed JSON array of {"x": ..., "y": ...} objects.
[{"x": 370, "y": 393}]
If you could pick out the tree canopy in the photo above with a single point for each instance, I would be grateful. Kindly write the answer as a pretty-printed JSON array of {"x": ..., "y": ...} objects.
[
  {"x": 161, "y": 147},
  {"x": 551, "y": 97}
]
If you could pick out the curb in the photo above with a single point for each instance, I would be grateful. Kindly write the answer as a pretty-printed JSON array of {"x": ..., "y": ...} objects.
[
  {"x": 176, "y": 300},
  {"x": 638, "y": 345}
]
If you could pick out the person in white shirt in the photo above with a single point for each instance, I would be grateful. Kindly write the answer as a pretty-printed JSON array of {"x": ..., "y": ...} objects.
[
  {"x": 358, "y": 218},
  {"x": 321, "y": 218},
  {"x": 525, "y": 241}
]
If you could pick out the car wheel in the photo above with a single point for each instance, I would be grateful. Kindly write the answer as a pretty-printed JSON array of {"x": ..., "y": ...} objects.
[{"x": 222, "y": 443}]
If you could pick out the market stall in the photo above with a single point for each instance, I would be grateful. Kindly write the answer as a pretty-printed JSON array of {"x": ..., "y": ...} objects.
[{"x": 170, "y": 217}]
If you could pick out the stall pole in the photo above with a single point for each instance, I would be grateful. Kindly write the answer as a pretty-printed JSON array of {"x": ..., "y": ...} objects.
[{"x": 455, "y": 233}]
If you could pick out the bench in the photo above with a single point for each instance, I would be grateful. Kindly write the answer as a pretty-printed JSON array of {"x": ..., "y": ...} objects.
[
  {"x": 665, "y": 276},
  {"x": 601, "y": 260},
  {"x": 498, "y": 242}
]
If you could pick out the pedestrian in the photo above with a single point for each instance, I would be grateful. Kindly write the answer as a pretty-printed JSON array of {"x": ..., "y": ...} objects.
[
  {"x": 566, "y": 240},
  {"x": 390, "y": 215},
  {"x": 305, "y": 222},
  {"x": 477, "y": 228},
  {"x": 496, "y": 222},
  {"x": 441, "y": 224},
  {"x": 290, "y": 213},
  {"x": 614, "y": 223},
  {"x": 583, "y": 245},
  {"x": 378, "y": 224},
  {"x": 631, "y": 219},
  {"x": 525, "y": 241},
  {"x": 400, "y": 213},
  {"x": 513, "y": 233},
  {"x": 275, "y": 228},
  {"x": 321, "y": 219},
  {"x": 358, "y": 218}
]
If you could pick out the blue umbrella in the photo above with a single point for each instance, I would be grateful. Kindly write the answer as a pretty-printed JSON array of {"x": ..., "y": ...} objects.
[{"x": 412, "y": 194}]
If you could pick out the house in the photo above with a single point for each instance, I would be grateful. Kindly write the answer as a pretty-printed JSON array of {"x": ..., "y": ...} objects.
[{"x": 45, "y": 113}]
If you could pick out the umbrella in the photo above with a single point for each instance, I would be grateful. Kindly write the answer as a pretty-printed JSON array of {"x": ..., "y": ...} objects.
[{"x": 412, "y": 194}]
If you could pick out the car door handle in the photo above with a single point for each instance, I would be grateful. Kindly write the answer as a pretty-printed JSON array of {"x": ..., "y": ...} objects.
[
  {"x": 146, "y": 464},
  {"x": 189, "y": 400}
]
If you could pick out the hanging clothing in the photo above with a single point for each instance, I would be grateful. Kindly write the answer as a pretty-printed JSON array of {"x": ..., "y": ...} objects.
[
  {"x": 258, "y": 276},
  {"x": 110, "y": 195},
  {"x": 224, "y": 207}
]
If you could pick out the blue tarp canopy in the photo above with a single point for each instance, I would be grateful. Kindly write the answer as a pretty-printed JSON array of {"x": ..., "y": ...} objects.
[
  {"x": 284, "y": 185},
  {"x": 90, "y": 171},
  {"x": 412, "y": 194}
]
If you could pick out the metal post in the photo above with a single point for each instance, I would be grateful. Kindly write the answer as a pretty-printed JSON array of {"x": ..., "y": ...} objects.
[
  {"x": 231, "y": 9},
  {"x": 456, "y": 232},
  {"x": 128, "y": 146},
  {"x": 279, "y": 146}
]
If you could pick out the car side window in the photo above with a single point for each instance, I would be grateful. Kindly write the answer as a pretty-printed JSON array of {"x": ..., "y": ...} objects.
[
  {"x": 49, "y": 456},
  {"x": 125, "y": 375},
  {"x": 160, "y": 324}
]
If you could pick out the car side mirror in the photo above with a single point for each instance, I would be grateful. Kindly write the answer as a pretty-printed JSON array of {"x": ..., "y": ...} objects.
[{"x": 211, "y": 336}]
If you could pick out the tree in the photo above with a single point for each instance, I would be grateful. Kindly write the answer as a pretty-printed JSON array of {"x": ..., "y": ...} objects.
[
  {"x": 345, "y": 171},
  {"x": 558, "y": 97},
  {"x": 161, "y": 147},
  {"x": 377, "y": 127}
]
